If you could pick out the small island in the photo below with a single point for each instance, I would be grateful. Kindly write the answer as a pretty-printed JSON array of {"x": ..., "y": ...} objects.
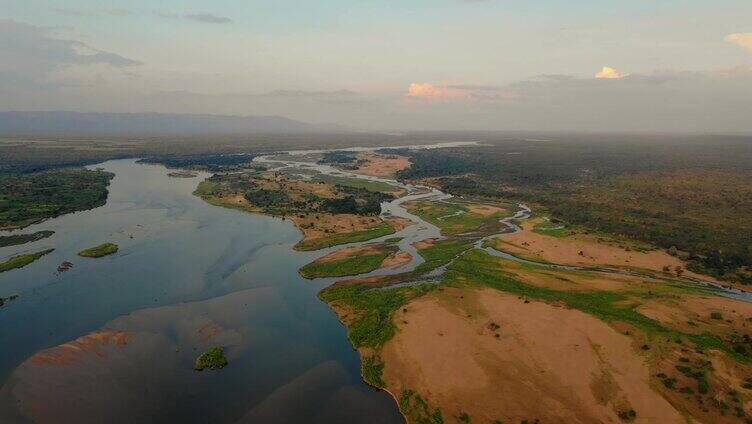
[
  {"x": 182, "y": 174},
  {"x": 99, "y": 251},
  {"x": 4, "y": 300},
  {"x": 212, "y": 359},
  {"x": 20, "y": 261},
  {"x": 18, "y": 239}
]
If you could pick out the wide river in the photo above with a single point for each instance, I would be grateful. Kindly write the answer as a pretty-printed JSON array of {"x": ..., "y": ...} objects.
[{"x": 188, "y": 276}]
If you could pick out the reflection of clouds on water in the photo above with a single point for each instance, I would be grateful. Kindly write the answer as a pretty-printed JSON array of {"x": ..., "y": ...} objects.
[{"x": 148, "y": 376}]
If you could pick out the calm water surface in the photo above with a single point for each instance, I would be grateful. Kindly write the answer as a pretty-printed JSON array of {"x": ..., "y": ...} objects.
[{"x": 188, "y": 276}]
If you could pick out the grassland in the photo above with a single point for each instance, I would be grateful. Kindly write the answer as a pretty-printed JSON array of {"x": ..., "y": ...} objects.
[
  {"x": 455, "y": 218},
  {"x": 441, "y": 253},
  {"x": 29, "y": 198},
  {"x": 690, "y": 195},
  {"x": 21, "y": 261},
  {"x": 99, "y": 251},
  {"x": 357, "y": 183},
  {"x": 351, "y": 262},
  {"x": 379, "y": 230},
  {"x": 548, "y": 228},
  {"x": 481, "y": 268},
  {"x": 374, "y": 316},
  {"x": 18, "y": 239},
  {"x": 370, "y": 323},
  {"x": 328, "y": 214}
]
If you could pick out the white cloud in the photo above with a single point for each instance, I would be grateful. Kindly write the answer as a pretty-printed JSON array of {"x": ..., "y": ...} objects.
[
  {"x": 743, "y": 39},
  {"x": 609, "y": 73}
]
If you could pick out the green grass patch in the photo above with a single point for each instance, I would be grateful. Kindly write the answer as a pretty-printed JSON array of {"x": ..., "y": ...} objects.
[
  {"x": 441, "y": 253},
  {"x": 212, "y": 359},
  {"x": 547, "y": 228},
  {"x": 380, "y": 230},
  {"x": 417, "y": 410},
  {"x": 21, "y": 261},
  {"x": 351, "y": 265},
  {"x": 479, "y": 267},
  {"x": 372, "y": 369},
  {"x": 358, "y": 183},
  {"x": 99, "y": 251},
  {"x": 374, "y": 308},
  {"x": 205, "y": 188},
  {"x": 453, "y": 218}
]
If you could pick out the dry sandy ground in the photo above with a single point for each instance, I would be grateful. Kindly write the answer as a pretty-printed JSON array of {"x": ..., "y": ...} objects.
[
  {"x": 337, "y": 255},
  {"x": 71, "y": 353},
  {"x": 572, "y": 280},
  {"x": 318, "y": 225},
  {"x": 584, "y": 250},
  {"x": 396, "y": 260},
  {"x": 548, "y": 363},
  {"x": 425, "y": 244},
  {"x": 735, "y": 315},
  {"x": 382, "y": 165}
]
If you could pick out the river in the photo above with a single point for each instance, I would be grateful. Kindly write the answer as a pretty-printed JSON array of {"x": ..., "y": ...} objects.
[
  {"x": 191, "y": 271},
  {"x": 125, "y": 329},
  {"x": 188, "y": 275}
]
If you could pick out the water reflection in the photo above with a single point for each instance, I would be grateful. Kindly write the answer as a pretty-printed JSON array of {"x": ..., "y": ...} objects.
[{"x": 188, "y": 275}]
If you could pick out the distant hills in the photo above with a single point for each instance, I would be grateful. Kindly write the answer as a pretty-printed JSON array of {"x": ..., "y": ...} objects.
[{"x": 57, "y": 122}]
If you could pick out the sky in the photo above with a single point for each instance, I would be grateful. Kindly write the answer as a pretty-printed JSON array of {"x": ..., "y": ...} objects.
[{"x": 385, "y": 65}]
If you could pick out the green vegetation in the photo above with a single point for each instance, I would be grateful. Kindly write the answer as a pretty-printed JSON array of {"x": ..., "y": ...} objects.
[
  {"x": 551, "y": 229},
  {"x": 479, "y": 267},
  {"x": 374, "y": 308},
  {"x": 358, "y": 263},
  {"x": 455, "y": 218},
  {"x": 372, "y": 369},
  {"x": 29, "y": 198},
  {"x": 357, "y": 183},
  {"x": 209, "y": 162},
  {"x": 382, "y": 229},
  {"x": 21, "y": 261},
  {"x": 17, "y": 239},
  {"x": 205, "y": 188},
  {"x": 99, "y": 251},
  {"x": 417, "y": 410},
  {"x": 690, "y": 193},
  {"x": 345, "y": 159},
  {"x": 212, "y": 359},
  {"x": 278, "y": 195},
  {"x": 441, "y": 253}
]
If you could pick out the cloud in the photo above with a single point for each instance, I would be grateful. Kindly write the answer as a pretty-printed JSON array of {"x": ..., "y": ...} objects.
[
  {"x": 431, "y": 92},
  {"x": 208, "y": 18},
  {"x": 609, "y": 73},
  {"x": 743, "y": 39},
  {"x": 30, "y": 55}
]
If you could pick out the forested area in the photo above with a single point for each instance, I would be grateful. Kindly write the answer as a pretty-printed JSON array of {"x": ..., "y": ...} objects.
[
  {"x": 691, "y": 195},
  {"x": 29, "y": 198}
]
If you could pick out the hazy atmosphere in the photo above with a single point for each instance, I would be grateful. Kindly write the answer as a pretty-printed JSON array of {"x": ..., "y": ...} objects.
[
  {"x": 376, "y": 212},
  {"x": 638, "y": 65}
]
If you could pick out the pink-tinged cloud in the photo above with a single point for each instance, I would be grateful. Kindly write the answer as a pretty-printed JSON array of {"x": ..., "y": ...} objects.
[
  {"x": 742, "y": 39},
  {"x": 609, "y": 73},
  {"x": 427, "y": 91}
]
